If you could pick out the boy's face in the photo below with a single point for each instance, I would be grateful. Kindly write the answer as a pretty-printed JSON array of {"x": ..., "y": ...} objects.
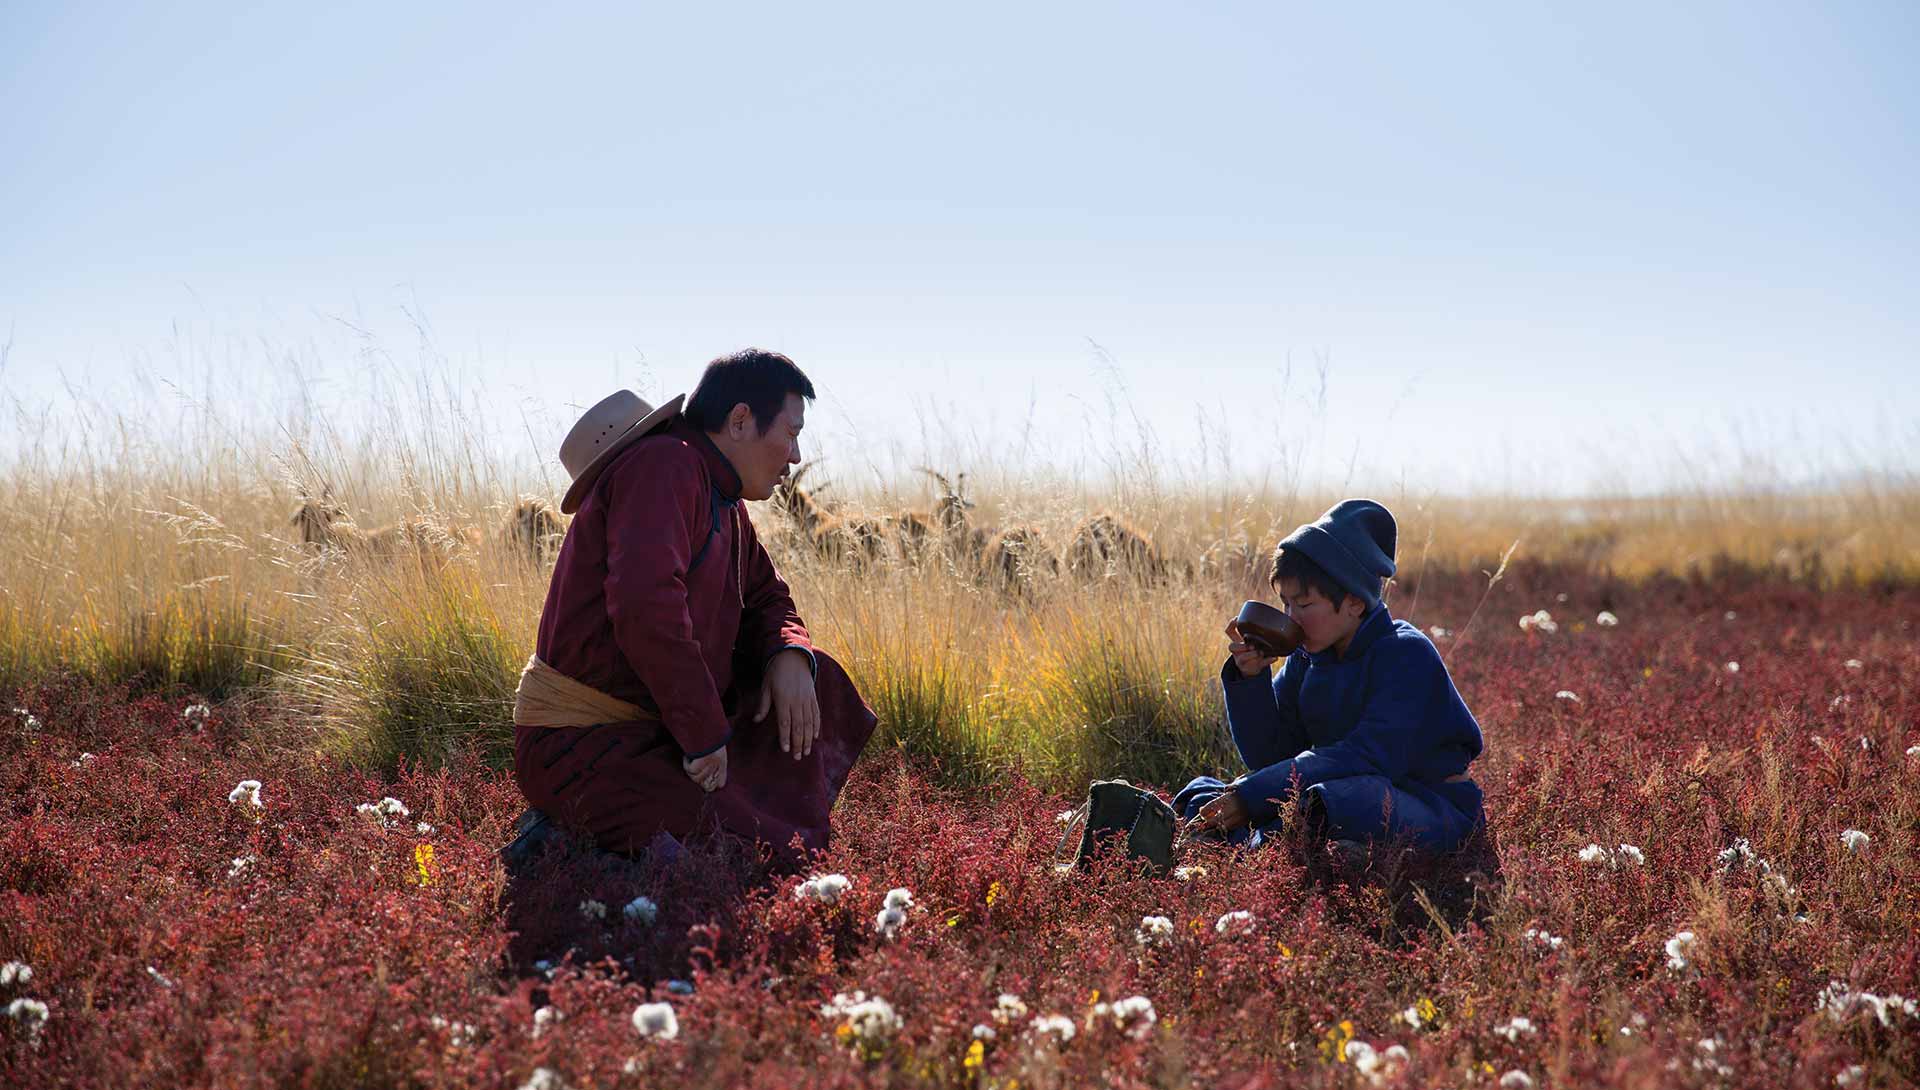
[{"x": 1325, "y": 624}]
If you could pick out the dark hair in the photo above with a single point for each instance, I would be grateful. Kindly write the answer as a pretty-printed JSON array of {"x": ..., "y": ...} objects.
[
  {"x": 755, "y": 377},
  {"x": 1294, "y": 566}
]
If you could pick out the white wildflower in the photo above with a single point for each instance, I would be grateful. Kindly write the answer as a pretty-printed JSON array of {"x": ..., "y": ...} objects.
[
  {"x": 1153, "y": 931},
  {"x": 368, "y": 809},
  {"x": 1840, "y": 1003},
  {"x": 871, "y": 1021},
  {"x": 641, "y": 909},
  {"x": 393, "y": 806},
  {"x": 81, "y": 760},
  {"x": 248, "y": 791},
  {"x": 159, "y": 977},
  {"x": 1852, "y": 1075},
  {"x": 984, "y": 1032},
  {"x": 1540, "y": 621},
  {"x": 889, "y": 921},
  {"x": 1709, "y": 1059},
  {"x": 1740, "y": 854},
  {"x": 1632, "y": 854},
  {"x": 1135, "y": 1016},
  {"x": 459, "y": 1034},
  {"x": 899, "y": 898},
  {"x": 656, "y": 1020},
  {"x": 593, "y": 910},
  {"x": 824, "y": 888},
  {"x": 1440, "y": 633},
  {"x": 1606, "y": 619},
  {"x": 1855, "y": 841},
  {"x": 15, "y": 972},
  {"x": 1680, "y": 951},
  {"x": 28, "y": 721},
  {"x": 1188, "y": 872},
  {"x": 544, "y": 1018},
  {"x": 1008, "y": 1008},
  {"x": 240, "y": 865},
  {"x": 1516, "y": 1080},
  {"x": 1238, "y": 922},
  {"x": 1854, "y": 664},
  {"x": 1544, "y": 938},
  {"x": 423, "y": 829},
  {"x": 1361, "y": 1055},
  {"x": 1733, "y": 667},
  {"x": 195, "y": 714},
  {"x": 1065, "y": 817},
  {"x": 1515, "y": 1028},
  {"x": 544, "y": 1078},
  {"x": 1866, "y": 744},
  {"x": 1594, "y": 853},
  {"x": 1411, "y": 1016},
  {"x": 1056, "y": 1024},
  {"x": 1567, "y": 694},
  {"x": 1732, "y": 615},
  {"x": 30, "y": 1013}
]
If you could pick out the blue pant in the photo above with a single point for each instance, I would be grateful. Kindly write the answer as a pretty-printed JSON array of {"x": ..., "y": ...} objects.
[{"x": 1438, "y": 817}]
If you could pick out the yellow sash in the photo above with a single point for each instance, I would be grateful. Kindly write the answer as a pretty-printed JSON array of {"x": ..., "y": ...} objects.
[{"x": 546, "y": 697}]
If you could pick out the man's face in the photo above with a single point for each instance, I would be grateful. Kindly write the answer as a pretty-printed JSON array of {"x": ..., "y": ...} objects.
[
  {"x": 762, "y": 459},
  {"x": 1324, "y": 623}
]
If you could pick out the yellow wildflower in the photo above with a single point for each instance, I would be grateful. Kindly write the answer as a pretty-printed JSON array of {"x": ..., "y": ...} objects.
[
  {"x": 993, "y": 892},
  {"x": 1285, "y": 952},
  {"x": 976, "y": 1057},
  {"x": 1333, "y": 1046},
  {"x": 423, "y": 858}
]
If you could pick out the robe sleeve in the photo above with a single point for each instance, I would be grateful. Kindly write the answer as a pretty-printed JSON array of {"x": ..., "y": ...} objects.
[
  {"x": 1401, "y": 680},
  {"x": 1263, "y": 714},
  {"x": 656, "y": 519},
  {"x": 769, "y": 623}
]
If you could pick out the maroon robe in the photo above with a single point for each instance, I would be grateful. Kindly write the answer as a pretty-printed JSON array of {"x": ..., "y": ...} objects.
[{"x": 663, "y": 596}]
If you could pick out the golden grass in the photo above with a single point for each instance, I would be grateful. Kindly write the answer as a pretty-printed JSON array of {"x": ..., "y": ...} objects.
[{"x": 180, "y": 566}]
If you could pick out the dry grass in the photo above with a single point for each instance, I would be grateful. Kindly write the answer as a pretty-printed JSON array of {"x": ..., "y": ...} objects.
[{"x": 179, "y": 563}]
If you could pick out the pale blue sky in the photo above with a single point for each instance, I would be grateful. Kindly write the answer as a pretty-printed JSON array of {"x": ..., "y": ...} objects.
[{"x": 1524, "y": 240}]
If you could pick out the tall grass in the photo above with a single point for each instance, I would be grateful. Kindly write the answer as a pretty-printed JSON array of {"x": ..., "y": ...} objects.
[{"x": 166, "y": 559}]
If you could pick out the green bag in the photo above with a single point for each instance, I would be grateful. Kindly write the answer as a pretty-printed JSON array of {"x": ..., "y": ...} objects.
[{"x": 1116, "y": 808}]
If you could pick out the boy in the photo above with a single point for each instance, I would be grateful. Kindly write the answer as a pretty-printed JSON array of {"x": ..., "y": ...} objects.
[{"x": 1363, "y": 716}]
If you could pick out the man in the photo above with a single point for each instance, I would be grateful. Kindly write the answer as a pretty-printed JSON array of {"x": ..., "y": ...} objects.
[{"x": 674, "y": 692}]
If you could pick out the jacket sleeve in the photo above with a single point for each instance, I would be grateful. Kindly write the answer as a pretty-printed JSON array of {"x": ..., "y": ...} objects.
[
  {"x": 1401, "y": 679},
  {"x": 655, "y": 521},
  {"x": 769, "y": 623},
  {"x": 1263, "y": 712}
]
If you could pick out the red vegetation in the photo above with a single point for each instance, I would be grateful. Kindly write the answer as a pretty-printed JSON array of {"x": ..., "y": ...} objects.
[{"x": 345, "y": 954}]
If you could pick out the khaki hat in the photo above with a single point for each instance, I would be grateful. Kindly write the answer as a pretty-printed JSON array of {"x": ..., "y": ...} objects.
[{"x": 605, "y": 430}]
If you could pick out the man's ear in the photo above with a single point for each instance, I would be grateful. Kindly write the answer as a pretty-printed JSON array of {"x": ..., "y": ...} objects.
[{"x": 740, "y": 418}]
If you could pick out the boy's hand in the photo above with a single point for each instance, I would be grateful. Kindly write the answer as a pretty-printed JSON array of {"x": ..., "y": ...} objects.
[
  {"x": 1249, "y": 661},
  {"x": 710, "y": 772},
  {"x": 1223, "y": 814}
]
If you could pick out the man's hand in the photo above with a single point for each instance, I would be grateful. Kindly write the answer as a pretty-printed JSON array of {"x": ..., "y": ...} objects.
[
  {"x": 788, "y": 691},
  {"x": 1249, "y": 661},
  {"x": 1223, "y": 814},
  {"x": 710, "y": 772}
]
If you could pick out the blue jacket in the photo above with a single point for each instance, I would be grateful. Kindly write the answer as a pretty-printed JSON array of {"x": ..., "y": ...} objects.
[{"x": 1386, "y": 709}]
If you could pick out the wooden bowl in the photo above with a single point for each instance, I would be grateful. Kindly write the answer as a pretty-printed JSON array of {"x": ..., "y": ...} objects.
[{"x": 1270, "y": 631}]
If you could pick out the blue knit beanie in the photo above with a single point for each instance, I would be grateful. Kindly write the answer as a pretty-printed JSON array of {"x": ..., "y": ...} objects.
[{"x": 1353, "y": 542}]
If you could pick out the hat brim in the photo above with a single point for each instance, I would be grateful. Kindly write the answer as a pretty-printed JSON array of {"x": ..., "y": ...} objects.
[{"x": 645, "y": 426}]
